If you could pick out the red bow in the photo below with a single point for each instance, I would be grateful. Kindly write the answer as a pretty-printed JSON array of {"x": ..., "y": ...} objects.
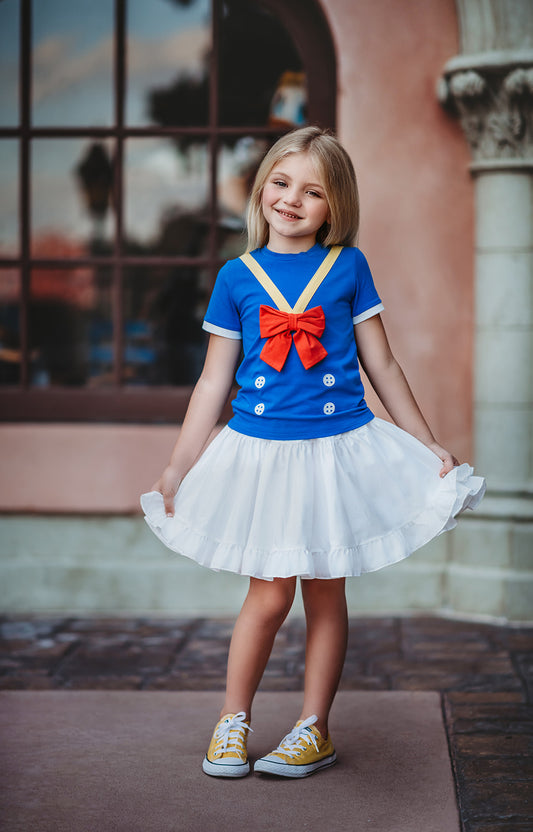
[{"x": 282, "y": 328}]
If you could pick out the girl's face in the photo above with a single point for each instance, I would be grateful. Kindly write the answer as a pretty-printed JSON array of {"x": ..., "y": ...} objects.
[{"x": 294, "y": 204}]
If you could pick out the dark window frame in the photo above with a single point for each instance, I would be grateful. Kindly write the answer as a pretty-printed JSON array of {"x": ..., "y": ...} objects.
[{"x": 308, "y": 27}]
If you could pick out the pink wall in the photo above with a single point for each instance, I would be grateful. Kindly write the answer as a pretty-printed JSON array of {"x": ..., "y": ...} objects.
[
  {"x": 80, "y": 468},
  {"x": 417, "y": 228}
]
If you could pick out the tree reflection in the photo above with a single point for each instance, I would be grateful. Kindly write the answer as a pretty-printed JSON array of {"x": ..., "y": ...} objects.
[
  {"x": 95, "y": 175},
  {"x": 254, "y": 52}
]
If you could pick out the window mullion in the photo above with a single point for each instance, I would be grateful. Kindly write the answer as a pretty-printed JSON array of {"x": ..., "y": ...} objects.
[
  {"x": 213, "y": 139},
  {"x": 118, "y": 293},
  {"x": 24, "y": 186}
]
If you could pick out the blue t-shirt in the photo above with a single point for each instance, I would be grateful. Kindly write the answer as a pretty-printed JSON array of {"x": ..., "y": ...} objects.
[{"x": 296, "y": 403}]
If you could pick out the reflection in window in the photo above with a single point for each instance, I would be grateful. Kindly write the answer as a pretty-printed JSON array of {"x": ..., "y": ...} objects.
[
  {"x": 261, "y": 78},
  {"x": 168, "y": 50},
  {"x": 9, "y": 62},
  {"x": 166, "y": 190},
  {"x": 10, "y": 352},
  {"x": 253, "y": 39},
  {"x": 71, "y": 206},
  {"x": 237, "y": 165},
  {"x": 72, "y": 62},
  {"x": 272, "y": 92},
  {"x": 70, "y": 327},
  {"x": 9, "y": 201},
  {"x": 163, "y": 338}
]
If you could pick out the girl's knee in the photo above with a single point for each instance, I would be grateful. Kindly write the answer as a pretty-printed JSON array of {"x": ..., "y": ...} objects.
[
  {"x": 316, "y": 586},
  {"x": 323, "y": 591},
  {"x": 273, "y": 598}
]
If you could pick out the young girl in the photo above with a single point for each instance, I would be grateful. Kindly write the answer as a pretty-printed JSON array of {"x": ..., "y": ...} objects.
[{"x": 304, "y": 480}]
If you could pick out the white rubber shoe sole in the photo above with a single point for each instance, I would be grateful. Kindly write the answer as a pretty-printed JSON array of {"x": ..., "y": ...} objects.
[
  {"x": 270, "y": 766},
  {"x": 225, "y": 769}
]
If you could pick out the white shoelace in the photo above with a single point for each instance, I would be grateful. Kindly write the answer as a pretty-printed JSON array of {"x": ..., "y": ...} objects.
[
  {"x": 298, "y": 739},
  {"x": 231, "y": 733}
]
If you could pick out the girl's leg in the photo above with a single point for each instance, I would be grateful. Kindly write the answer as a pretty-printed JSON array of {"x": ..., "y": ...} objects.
[
  {"x": 264, "y": 610},
  {"x": 327, "y": 635}
]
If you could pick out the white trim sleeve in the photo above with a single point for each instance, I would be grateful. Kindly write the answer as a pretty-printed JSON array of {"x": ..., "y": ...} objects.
[
  {"x": 218, "y": 330},
  {"x": 368, "y": 313}
]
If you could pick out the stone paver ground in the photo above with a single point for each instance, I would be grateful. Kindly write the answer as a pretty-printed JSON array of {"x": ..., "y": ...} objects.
[{"x": 484, "y": 673}]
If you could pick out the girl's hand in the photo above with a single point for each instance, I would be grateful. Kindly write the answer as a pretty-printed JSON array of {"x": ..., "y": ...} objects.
[
  {"x": 167, "y": 485},
  {"x": 448, "y": 460}
]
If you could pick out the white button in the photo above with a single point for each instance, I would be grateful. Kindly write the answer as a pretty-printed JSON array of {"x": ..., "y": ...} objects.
[
  {"x": 329, "y": 379},
  {"x": 260, "y": 382},
  {"x": 259, "y": 409},
  {"x": 329, "y": 408}
]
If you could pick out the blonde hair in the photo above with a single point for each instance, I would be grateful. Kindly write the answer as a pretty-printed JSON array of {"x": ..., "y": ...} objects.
[{"x": 337, "y": 174}]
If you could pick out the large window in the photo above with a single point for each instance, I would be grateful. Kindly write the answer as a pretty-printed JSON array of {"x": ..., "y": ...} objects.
[{"x": 129, "y": 134}]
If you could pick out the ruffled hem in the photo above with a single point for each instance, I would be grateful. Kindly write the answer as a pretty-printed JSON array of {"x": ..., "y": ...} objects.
[{"x": 245, "y": 539}]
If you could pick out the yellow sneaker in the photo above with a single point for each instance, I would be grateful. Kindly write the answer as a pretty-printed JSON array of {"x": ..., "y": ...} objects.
[
  {"x": 227, "y": 755},
  {"x": 300, "y": 753}
]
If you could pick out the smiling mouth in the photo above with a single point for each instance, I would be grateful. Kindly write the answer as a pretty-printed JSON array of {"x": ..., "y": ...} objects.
[{"x": 287, "y": 214}]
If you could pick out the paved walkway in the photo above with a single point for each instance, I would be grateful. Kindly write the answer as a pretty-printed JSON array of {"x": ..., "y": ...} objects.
[
  {"x": 107, "y": 761},
  {"x": 483, "y": 673}
]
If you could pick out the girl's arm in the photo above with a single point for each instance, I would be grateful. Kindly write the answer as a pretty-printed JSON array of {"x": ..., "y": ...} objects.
[
  {"x": 207, "y": 402},
  {"x": 389, "y": 382}
]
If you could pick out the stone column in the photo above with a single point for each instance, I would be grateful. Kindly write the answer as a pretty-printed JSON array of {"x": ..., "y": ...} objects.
[{"x": 491, "y": 92}]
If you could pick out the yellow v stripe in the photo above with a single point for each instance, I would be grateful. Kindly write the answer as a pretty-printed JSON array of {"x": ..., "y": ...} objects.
[
  {"x": 304, "y": 299},
  {"x": 267, "y": 284},
  {"x": 322, "y": 271}
]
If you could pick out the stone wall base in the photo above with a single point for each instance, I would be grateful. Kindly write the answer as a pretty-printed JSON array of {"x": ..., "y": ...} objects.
[{"x": 98, "y": 565}]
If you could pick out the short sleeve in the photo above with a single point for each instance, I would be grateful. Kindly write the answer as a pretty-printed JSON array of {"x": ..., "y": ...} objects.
[
  {"x": 367, "y": 302},
  {"x": 222, "y": 316}
]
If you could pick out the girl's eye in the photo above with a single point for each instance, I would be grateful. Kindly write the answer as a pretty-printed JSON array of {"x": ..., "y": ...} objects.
[
  {"x": 279, "y": 182},
  {"x": 314, "y": 193}
]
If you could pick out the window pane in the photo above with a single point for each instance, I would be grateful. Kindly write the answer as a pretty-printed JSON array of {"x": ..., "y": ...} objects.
[
  {"x": 163, "y": 337},
  {"x": 72, "y": 62},
  {"x": 70, "y": 328},
  {"x": 166, "y": 196},
  {"x": 9, "y": 62},
  {"x": 271, "y": 89},
  {"x": 9, "y": 202},
  {"x": 237, "y": 165},
  {"x": 71, "y": 197},
  {"x": 10, "y": 355},
  {"x": 168, "y": 52}
]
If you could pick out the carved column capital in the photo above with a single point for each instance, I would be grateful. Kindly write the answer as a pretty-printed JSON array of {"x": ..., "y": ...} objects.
[{"x": 493, "y": 99}]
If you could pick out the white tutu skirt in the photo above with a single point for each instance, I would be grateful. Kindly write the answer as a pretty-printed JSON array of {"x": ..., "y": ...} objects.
[{"x": 318, "y": 508}]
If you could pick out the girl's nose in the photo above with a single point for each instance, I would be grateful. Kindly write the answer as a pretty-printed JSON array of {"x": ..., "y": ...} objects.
[{"x": 292, "y": 197}]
